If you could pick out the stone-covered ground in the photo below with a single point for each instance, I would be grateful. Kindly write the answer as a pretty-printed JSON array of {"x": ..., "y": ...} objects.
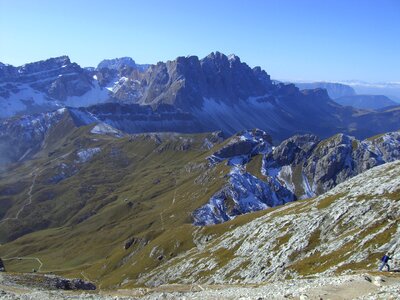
[{"x": 364, "y": 286}]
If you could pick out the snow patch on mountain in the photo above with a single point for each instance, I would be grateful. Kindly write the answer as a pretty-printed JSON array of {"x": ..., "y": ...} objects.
[
  {"x": 95, "y": 95},
  {"x": 105, "y": 129},
  {"x": 23, "y": 98},
  {"x": 245, "y": 193},
  {"x": 85, "y": 155}
]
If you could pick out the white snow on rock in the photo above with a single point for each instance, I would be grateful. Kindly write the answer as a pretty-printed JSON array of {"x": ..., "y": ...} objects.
[
  {"x": 86, "y": 154},
  {"x": 95, "y": 95},
  {"x": 22, "y": 99},
  {"x": 105, "y": 129}
]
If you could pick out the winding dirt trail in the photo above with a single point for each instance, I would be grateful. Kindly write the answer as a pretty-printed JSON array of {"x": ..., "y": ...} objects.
[
  {"x": 35, "y": 173},
  {"x": 26, "y": 258},
  {"x": 173, "y": 198},
  {"x": 29, "y": 200}
]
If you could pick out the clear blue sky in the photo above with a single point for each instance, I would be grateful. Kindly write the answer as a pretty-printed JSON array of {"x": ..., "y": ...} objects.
[{"x": 290, "y": 39}]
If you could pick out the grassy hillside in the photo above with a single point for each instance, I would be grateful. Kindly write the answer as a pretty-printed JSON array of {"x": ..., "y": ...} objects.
[
  {"x": 139, "y": 188},
  {"x": 118, "y": 211}
]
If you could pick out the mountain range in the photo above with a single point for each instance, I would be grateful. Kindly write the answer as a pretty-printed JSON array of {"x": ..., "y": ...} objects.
[
  {"x": 346, "y": 95},
  {"x": 334, "y": 90},
  {"x": 187, "y": 95},
  {"x": 375, "y": 102}
]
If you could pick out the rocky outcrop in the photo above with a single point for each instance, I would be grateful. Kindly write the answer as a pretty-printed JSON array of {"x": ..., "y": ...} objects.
[
  {"x": 244, "y": 145},
  {"x": 310, "y": 167},
  {"x": 21, "y": 138},
  {"x": 385, "y": 145},
  {"x": 244, "y": 192},
  {"x": 135, "y": 118},
  {"x": 293, "y": 150},
  {"x": 300, "y": 167},
  {"x": 36, "y": 281},
  {"x": 73, "y": 284}
]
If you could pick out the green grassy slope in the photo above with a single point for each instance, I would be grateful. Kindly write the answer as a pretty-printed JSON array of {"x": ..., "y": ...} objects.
[{"x": 141, "y": 187}]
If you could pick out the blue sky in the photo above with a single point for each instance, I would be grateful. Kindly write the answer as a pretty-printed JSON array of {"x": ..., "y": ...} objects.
[{"x": 291, "y": 39}]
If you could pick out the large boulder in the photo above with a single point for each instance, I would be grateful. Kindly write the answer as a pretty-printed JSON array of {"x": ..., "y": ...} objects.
[
  {"x": 246, "y": 143},
  {"x": 73, "y": 284}
]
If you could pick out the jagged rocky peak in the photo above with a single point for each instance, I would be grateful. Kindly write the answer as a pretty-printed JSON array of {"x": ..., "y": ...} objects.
[
  {"x": 221, "y": 59},
  {"x": 48, "y": 64},
  {"x": 232, "y": 78},
  {"x": 262, "y": 76},
  {"x": 116, "y": 63},
  {"x": 186, "y": 81},
  {"x": 233, "y": 58},
  {"x": 24, "y": 73},
  {"x": 40, "y": 75}
]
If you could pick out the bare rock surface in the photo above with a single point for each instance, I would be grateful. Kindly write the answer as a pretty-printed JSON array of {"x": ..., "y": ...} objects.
[{"x": 334, "y": 288}]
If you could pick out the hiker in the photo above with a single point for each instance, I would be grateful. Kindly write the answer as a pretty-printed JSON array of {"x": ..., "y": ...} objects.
[
  {"x": 385, "y": 259},
  {"x": 2, "y": 268}
]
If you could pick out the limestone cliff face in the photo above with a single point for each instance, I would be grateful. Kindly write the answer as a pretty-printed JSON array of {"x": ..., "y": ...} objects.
[
  {"x": 187, "y": 81},
  {"x": 310, "y": 167}
]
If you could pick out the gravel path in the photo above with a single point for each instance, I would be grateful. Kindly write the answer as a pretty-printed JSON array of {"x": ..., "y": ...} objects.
[{"x": 360, "y": 287}]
